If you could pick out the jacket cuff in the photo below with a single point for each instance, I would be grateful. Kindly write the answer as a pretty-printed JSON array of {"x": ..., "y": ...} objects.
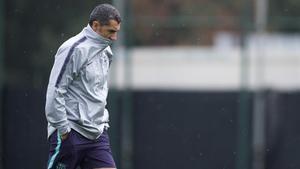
[{"x": 64, "y": 130}]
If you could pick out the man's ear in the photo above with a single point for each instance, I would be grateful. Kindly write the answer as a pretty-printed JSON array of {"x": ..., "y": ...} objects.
[{"x": 95, "y": 25}]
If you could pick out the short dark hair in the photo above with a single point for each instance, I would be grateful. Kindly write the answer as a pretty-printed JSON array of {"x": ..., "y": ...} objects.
[{"x": 104, "y": 13}]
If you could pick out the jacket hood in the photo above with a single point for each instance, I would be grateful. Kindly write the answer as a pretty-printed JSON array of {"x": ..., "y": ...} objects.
[{"x": 91, "y": 34}]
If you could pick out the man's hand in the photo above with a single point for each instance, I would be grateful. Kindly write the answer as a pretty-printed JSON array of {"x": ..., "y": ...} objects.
[{"x": 64, "y": 136}]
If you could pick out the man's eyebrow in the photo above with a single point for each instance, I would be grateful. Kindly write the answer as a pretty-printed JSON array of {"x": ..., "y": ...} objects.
[{"x": 112, "y": 30}]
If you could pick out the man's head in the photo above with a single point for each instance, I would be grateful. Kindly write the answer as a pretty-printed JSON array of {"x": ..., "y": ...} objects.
[{"x": 105, "y": 20}]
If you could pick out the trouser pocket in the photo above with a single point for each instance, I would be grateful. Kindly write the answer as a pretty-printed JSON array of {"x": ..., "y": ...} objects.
[{"x": 63, "y": 156}]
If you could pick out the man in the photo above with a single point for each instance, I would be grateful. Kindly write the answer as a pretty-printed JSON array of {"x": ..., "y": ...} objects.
[{"x": 76, "y": 95}]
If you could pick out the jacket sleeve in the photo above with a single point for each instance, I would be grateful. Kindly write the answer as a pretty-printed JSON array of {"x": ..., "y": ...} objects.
[{"x": 66, "y": 67}]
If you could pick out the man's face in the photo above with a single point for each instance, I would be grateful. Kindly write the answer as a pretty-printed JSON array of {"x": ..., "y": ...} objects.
[{"x": 107, "y": 31}]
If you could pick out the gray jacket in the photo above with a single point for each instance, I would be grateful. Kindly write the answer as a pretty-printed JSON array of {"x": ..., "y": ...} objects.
[{"x": 77, "y": 89}]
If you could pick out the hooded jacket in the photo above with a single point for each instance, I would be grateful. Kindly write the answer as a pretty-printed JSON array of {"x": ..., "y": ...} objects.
[{"x": 77, "y": 89}]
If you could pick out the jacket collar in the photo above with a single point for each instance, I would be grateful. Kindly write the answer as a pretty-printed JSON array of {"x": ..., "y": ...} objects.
[{"x": 91, "y": 34}]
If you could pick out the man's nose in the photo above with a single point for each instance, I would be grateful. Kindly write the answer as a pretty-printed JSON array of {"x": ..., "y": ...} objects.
[{"x": 114, "y": 37}]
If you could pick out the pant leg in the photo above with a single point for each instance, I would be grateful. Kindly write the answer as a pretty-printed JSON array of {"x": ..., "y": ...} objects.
[
  {"x": 98, "y": 153},
  {"x": 62, "y": 154}
]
